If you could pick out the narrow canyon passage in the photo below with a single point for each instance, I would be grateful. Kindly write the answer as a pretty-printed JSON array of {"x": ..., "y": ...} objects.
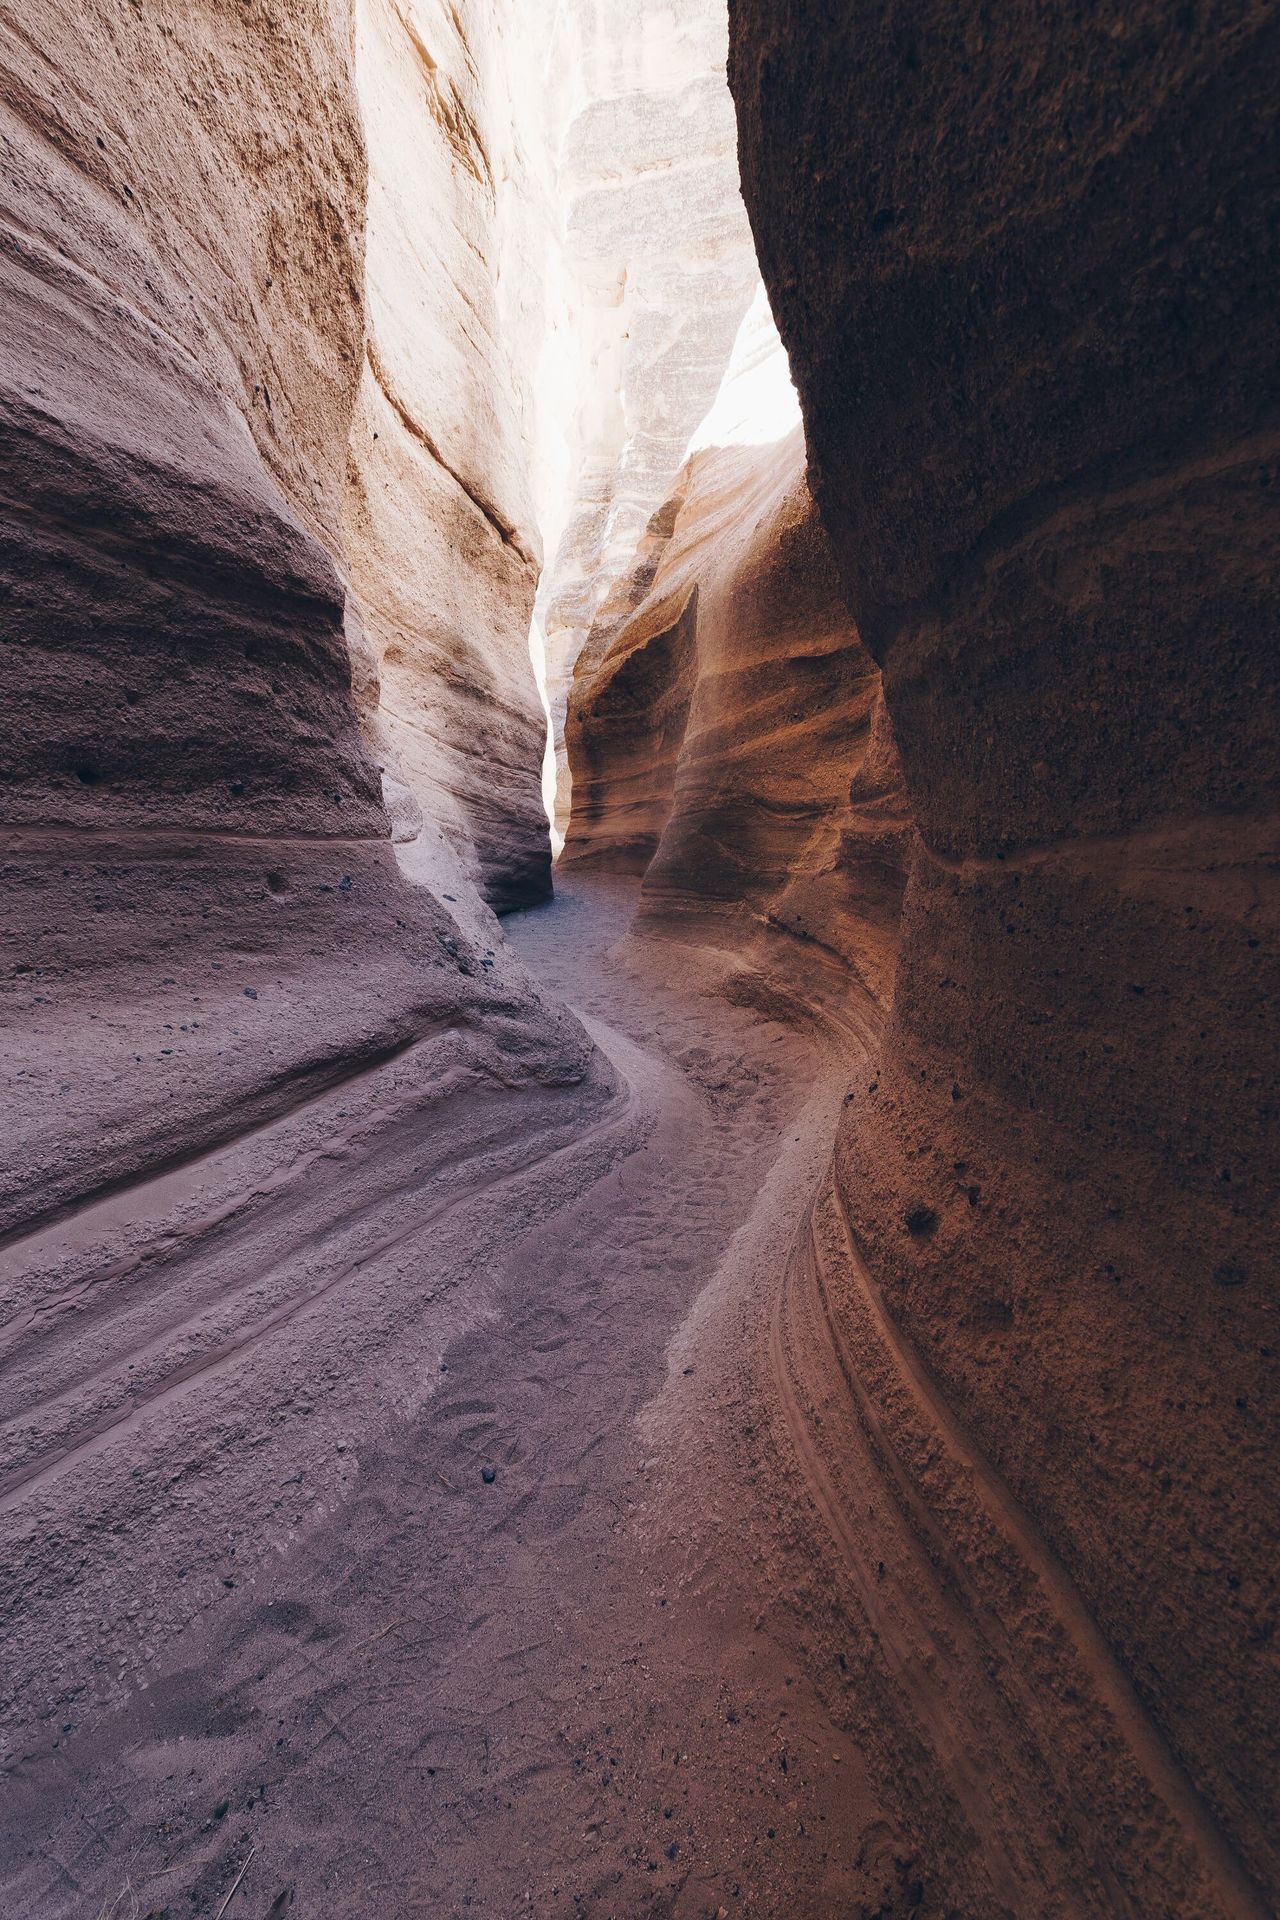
[
  {"x": 559, "y": 1530},
  {"x": 639, "y": 960},
  {"x": 533, "y": 1655}
]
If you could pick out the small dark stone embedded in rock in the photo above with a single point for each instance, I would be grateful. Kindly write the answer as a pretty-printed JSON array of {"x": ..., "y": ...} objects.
[
  {"x": 488, "y": 1475},
  {"x": 673, "y": 1850},
  {"x": 920, "y": 1220},
  {"x": 251, "y": 993},
  {"x": 344, "y": 885}
]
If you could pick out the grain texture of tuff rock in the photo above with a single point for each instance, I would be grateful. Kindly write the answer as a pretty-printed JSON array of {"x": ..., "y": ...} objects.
[
  {"x": 726, "y": 734},
  {"x": 1025, "y": 270}
]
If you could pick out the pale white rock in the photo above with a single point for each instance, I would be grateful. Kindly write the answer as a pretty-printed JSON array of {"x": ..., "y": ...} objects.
[
  {"x": 660, "y": 256},
  {"x": 557, "y": 261}
]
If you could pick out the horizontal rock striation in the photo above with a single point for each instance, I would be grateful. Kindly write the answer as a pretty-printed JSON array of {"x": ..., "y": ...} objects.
[
  {"x": 658, "y": 271},
  {"x": 726, "y": 733},
  {"x": 253, "y": 1079},
  {"x": 1024, "y": 272},
  {"x": 206, "y": 918},
  {"x": 445, "y": 460}
]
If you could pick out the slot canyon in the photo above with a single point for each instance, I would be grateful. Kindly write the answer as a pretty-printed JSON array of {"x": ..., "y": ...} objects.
[{"x": 640, "y": 960}]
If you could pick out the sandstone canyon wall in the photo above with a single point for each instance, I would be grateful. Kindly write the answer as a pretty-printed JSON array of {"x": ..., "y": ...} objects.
[
  {"x": 726, "y": 734},
  {"x": 446, "y": 454},
  {"x": 950, "y": 717},
  {"x": 205, "y": 912},
  {"x": 248, "y": 1069},
  {"x": 657, "y": 269},
  {"x": 1025, "y": 272},
  {"x": 557, "y": 260}
]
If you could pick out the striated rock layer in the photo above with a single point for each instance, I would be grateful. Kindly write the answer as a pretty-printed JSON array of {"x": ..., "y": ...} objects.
[
  {"x": 726, "y": 733},
  {"x": 190, "y": 816},
  {"x": 205, "y": 911},
  {"x": 1025, "y": 274},
  {"x": 657, "y": 268},
  {"x": 446, "y": 454},
  {"x": 543, "y": 334},
  {"x": 248, "y": 1069}
]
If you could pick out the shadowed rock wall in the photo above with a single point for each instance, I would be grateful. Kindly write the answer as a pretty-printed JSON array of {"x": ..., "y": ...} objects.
[
  {"x": 204, "y": 909},
  {"x": 1023, "y": 265}
]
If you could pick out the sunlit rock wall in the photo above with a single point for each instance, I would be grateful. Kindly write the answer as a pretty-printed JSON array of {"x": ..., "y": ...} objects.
[
  {"x": 443, "y": 508},
  {"x": 659, "y": 269},
  {"x": 1024, "y": 264},
  {"x": 557, "y": 262},
  {"x": 726, "y": 733}
]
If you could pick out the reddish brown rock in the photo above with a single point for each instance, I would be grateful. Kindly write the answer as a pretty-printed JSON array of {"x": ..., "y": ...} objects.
[{"x": 1025, "y": 272}]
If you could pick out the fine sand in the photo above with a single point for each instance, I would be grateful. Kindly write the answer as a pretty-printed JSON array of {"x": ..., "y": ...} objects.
[
  {"x": 276, "y": 1609},
  {"x": 488, "y": 1501}
]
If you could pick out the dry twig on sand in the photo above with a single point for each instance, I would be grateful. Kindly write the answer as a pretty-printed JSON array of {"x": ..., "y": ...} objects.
[
  {"x": 236, "y": 1882},
  {"x": 115, "y": 1911}
]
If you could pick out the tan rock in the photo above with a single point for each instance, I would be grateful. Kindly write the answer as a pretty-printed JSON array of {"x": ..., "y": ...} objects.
[
  {"x": 189, "y": 812},
  {"x": 726, "y": 733}
]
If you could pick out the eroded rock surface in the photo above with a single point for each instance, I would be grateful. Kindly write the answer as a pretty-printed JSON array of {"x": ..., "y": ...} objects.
[
  {"x": 658, "y": 271},
  {"x": 557, "y": 262},
  {"x": 1024, "y": 273},
  {"x": 903, "y": 1549},
  {"x": 726, "y": 733},
  {"x": 207, "y": 929},
  {"x": 446, "y": 452}
]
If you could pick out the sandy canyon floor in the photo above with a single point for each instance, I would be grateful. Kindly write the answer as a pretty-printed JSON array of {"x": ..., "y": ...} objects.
[
  {"x": 438, "y": 1556},
  {"x": 495, "y": 1500}
]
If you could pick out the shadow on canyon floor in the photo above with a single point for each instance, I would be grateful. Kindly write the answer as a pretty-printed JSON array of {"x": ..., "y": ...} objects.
[
  {"x": 525, "y": 1504},
  {"x": 514, "y": 1647}
]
